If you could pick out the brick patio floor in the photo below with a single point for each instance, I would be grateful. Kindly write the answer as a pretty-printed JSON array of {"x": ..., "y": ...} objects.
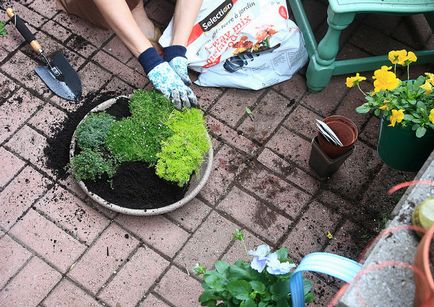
[{"x": 57, "y": 248}]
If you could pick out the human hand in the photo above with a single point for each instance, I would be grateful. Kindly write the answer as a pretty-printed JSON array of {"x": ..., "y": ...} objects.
[
  {"x": 179, "y": 65},
  {"x": 166, "y": 80},
  {"x": 170, "y": 84},
  {"x": 175, "y": 55}
]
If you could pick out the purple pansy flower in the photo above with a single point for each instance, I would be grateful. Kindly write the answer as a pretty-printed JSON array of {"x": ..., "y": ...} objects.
[
  {"x": 259, "y": 257},
  {"x": 275, "y": 267}
]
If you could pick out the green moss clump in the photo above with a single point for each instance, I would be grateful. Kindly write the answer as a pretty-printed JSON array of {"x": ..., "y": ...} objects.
[
  {"x": 139, "y": 137},
  {"x": 91, "y": 165},
  {"x": 150, "y": 106},
  {"x": 183, "y": 152},
  {"x": 91, "y": 133}
]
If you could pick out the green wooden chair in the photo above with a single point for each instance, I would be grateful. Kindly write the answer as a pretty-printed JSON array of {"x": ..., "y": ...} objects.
[{"x": 322, "y": 57}]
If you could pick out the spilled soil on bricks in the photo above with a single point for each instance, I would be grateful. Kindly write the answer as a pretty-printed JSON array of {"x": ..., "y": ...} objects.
[{"x": 134, "y": 185}]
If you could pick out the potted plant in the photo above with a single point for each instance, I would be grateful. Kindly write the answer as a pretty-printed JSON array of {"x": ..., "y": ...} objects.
[
  {"x": 138, "y": 155},
  {"x": 262, "y": 282},
  {"x": 406, "y": 109}
]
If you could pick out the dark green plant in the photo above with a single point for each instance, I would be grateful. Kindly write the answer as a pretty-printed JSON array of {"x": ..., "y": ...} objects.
[
  {"x": 138, "y": 138},
  {"x": 263, "y": 282},
  {"x": 91, "y": 165},
  {"x": 183, "y": 152},
  {"x": 3, "y": 31},
  {"x": 92, "y": 132}
]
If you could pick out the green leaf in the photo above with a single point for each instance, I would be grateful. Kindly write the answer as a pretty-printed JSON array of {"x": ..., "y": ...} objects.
[
  {"x": 282, "y": 254},
  {"x": 249, "y": 113},
  {"x": 420, "y": 132},
  {"x": 199, "y": 269},
  {"x": 258, "y": 286},
  {"x": 307, "y": 286},
  {"x": 280, "y": 290},
  {"x": 309, "y": 298},
  {"x": 364, "y": 108},
  {"x": 214, "y": 280},
  {"x": 3, "y": 31},
  {"x": 240, "y": 272},
  {"x": 238, "y": 235},
  {"x": 221, "y": 266},
  {"x": 240, "y": 289},
  {"x": 207, "y": 298},
  {"x": 248, "y": 303}
]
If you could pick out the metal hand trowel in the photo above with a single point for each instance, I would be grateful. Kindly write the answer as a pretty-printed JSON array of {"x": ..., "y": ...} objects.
[{"x": 57, "y": 74}]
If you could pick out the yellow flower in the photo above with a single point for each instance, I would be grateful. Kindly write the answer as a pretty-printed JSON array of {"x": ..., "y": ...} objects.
[
  {"x": 385, "y": 79},
  {"x": 383, "y": 107},
  {"x": 396, "y": 117},
  {"x": 431, "y": 116},
  {"x": 427, "y": 87},
  {"x": 352, "y": 81},
  {"x": 430, "y": 77},
  {"x": 411, "y": 57},
  {"x": 397, "y": 56}
]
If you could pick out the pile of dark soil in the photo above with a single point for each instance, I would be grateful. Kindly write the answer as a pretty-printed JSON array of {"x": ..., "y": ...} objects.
[{"x": 134, "y": 186}]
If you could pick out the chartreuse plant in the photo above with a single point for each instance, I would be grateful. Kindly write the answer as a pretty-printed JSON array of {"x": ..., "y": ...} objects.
[
  {"x": 91, "y": 164},
  {"x": 139, "y": 137},
  {"x": 263, "y": 282},
  {"x": 403, "y": 103},
  {"x": 182, "y": 153}
]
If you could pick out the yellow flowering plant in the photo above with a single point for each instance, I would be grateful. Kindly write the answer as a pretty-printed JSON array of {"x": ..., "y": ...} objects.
[{"x": 408, "y": 103}]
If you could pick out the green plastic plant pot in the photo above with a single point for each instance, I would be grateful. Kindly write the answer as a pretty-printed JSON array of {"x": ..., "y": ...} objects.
[
  {"x": 197, "y": 181},
  {"x": 400, "y": 149}
]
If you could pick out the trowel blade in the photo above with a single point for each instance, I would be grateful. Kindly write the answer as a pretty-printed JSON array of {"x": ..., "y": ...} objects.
[{"x": 69, "y": 87}]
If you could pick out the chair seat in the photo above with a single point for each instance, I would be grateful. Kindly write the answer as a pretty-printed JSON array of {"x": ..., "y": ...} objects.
[{"x": 384, "y": 6}]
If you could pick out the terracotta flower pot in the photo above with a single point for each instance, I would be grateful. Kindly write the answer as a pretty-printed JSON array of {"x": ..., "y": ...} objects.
[
  {"x": 424, "y": 296},
  {"x": 346, "y": 131}
]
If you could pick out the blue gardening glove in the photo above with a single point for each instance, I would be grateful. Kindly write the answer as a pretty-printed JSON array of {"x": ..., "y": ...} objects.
[
  {"x": 175, "y": 55},
  {"x": 166, "y": 80}
]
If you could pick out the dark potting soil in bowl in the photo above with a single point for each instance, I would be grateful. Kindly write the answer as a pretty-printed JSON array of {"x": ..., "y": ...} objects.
[{"x": 136, "y": 186}]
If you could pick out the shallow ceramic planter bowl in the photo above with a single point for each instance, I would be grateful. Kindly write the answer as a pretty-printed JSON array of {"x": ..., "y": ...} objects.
[{"x": 197, "y": 181}]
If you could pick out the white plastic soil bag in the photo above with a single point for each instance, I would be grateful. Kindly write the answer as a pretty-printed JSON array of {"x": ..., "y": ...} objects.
[{"x": 243, "y": 44}]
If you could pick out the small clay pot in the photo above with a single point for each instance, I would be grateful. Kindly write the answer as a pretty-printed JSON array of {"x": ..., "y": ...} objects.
[
  {"x": 424, "y": 284},
  {"x": 346, "y": 131}
]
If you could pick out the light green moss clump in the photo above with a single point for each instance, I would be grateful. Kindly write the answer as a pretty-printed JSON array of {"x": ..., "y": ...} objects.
[
  {"x": 139, "y": 137},
  {"x": 183, "y": 152}
]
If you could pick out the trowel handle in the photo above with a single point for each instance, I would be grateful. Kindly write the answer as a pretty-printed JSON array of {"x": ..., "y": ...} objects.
[{"x": 24, "y": 31}]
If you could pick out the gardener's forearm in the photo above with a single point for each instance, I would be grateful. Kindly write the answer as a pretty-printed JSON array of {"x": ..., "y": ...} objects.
[
  {"x": 186, "y": 12},
  {"x": 119, "y": 17}
]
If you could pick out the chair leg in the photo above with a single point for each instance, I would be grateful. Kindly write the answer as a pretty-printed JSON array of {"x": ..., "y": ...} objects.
[
  {"x": 321, "y": 65},
  {"x": 430, "y": 18}
]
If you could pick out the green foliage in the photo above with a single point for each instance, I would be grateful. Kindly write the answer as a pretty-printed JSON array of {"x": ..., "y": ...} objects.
[
  {"x": 239, "y": 284},
  {"x": 91, "y": 165},
  {"x": 91, "y": 133},
  {"x": 139, "y": 137},
  {"x": 150, "y": 105},
  {"x": 183, "y": 152},
  {"x": 3, "y": 31}
]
